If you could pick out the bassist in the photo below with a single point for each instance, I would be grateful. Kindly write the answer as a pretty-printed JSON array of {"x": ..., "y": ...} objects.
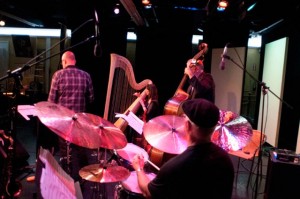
[
  {"x": 201, "y": 84},
  {"x": 196, "y": 83}
]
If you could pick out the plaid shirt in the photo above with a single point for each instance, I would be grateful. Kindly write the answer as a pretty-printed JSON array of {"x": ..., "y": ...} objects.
[{"x": 71, "y": 88}]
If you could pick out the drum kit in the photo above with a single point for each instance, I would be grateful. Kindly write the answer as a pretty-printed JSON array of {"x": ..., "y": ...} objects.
[{"x": 165, "y": 133}]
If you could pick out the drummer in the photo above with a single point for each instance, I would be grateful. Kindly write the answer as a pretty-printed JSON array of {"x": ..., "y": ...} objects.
[{"x": 203, "y": 170}]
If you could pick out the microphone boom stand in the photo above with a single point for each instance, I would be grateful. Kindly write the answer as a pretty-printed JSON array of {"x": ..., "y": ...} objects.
[{"x": 264, "y": 92}]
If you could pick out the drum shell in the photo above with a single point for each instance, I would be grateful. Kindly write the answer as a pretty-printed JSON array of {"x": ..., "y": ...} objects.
[
  {"x": 122, "y": 193},
  {"x": 129, "y": 188}
]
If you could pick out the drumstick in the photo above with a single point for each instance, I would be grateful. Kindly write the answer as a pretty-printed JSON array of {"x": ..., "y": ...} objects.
[{"x": 156, "y": 167}]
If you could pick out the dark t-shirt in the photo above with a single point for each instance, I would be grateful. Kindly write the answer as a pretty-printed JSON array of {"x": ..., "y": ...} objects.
[
  {"x": 201, "y": 171},
  {"x": 204, "y": 87},
  {"x": 152, "y": 110}
]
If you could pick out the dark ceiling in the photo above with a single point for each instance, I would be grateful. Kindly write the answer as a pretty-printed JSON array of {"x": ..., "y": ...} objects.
[{"x": 52, "y": 13}]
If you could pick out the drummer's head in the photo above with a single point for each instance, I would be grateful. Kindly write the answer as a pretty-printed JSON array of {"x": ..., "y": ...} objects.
[{"x": 202, "y": 115}]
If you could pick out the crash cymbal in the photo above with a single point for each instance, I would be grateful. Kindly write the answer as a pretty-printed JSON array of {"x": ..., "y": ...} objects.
[
  {"x": 50, "y": 109},
  {"x": 97, "y": 173},
  {"x": 232, "y": 132},
  {"x": 166, "y": 133},
  {"x": 83, "y": 129}
]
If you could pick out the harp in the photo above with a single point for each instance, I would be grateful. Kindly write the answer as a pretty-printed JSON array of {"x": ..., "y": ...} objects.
[{"x": 120, "y": 89}]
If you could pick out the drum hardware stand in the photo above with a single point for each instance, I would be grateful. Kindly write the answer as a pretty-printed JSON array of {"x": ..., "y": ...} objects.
[
  {"x": 96, "y": 188},
  {"x": 115, "y": 157},
  {"x": 67, "y": 158},
  {"x": 96, "y": 185},
  {"x": 264, "y": 92}
]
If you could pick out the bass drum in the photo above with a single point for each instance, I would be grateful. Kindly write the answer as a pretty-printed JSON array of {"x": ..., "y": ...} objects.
[{"x": 129, "y": 188}]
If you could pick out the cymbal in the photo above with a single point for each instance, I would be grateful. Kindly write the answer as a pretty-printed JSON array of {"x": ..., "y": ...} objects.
[
  {"x": 232, "y": 132},
  {"x": 83, "y": 129},
  {"x": 130, "y": 150},
  {"x": 97, "y": 173},
  {"x": 166, "y": 133}
]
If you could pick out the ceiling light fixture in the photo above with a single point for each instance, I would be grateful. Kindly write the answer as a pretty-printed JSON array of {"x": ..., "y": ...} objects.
[
  {"x": 117, "y": 9},
  {"x": 251, "y": 7},
  {"x": 37, "y": 32},
  {"x": 2, "y": 22},
  {"x": 222, "y": 5},
  {"x": 145, "y": 2}
]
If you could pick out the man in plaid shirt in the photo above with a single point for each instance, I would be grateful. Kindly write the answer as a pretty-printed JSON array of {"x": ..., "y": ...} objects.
[{"x": 70, "y": 86}]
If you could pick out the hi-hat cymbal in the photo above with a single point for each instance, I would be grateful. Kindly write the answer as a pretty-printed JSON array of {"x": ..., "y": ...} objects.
[
  {"x": 166, "y": 133},
  {"x": 233, "y": 132},
  {"x": 97, "y": 173},
  {"x": 83, "y": 129}
]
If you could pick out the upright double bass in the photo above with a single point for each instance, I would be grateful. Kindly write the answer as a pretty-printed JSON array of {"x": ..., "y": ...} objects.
[
  {"x": 157, "y": 156},
  {"x": 173, "y": 104}
]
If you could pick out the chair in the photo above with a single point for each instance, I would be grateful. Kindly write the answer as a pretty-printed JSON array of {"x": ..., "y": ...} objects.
[{"x": 249, "y": 152}]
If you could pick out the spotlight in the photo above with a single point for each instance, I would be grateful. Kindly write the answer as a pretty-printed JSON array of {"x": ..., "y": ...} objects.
[
  {"x": 145, "y": 2},
  {"x": 2, "y": 22},
  {"x": 222, "y": 5},
  {"x": 117, "y": 9}
]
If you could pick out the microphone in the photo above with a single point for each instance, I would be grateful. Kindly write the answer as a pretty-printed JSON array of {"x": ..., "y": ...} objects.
[
  {"x": 97, "y": 47},
  {"x": 222, "y": 63}
]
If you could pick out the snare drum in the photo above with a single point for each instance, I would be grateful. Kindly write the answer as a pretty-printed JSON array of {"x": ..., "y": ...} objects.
[
  {"x": 128, "y": 152},
  {"x": 129, "y": 188}
]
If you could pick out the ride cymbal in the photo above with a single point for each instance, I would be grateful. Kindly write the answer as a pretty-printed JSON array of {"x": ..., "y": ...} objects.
[
  {"x": 166, "y": 133},
  {"x": 83, "y": 129},
  {"x": 232, "y": 132},
  {"x": 110, "y": 173}
]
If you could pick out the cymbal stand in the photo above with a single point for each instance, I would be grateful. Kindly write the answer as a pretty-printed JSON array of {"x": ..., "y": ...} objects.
[
  {"x": 99, "y": 157},
  {"x": 97, "y": 192},
  {"x": 115, "y": 157},
  {"x": 102, "y": 193},
  {"x": 67, "y": 158}
]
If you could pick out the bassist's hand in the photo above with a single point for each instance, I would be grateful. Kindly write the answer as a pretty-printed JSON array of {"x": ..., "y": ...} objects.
[{"x": 188, "y": 72}]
